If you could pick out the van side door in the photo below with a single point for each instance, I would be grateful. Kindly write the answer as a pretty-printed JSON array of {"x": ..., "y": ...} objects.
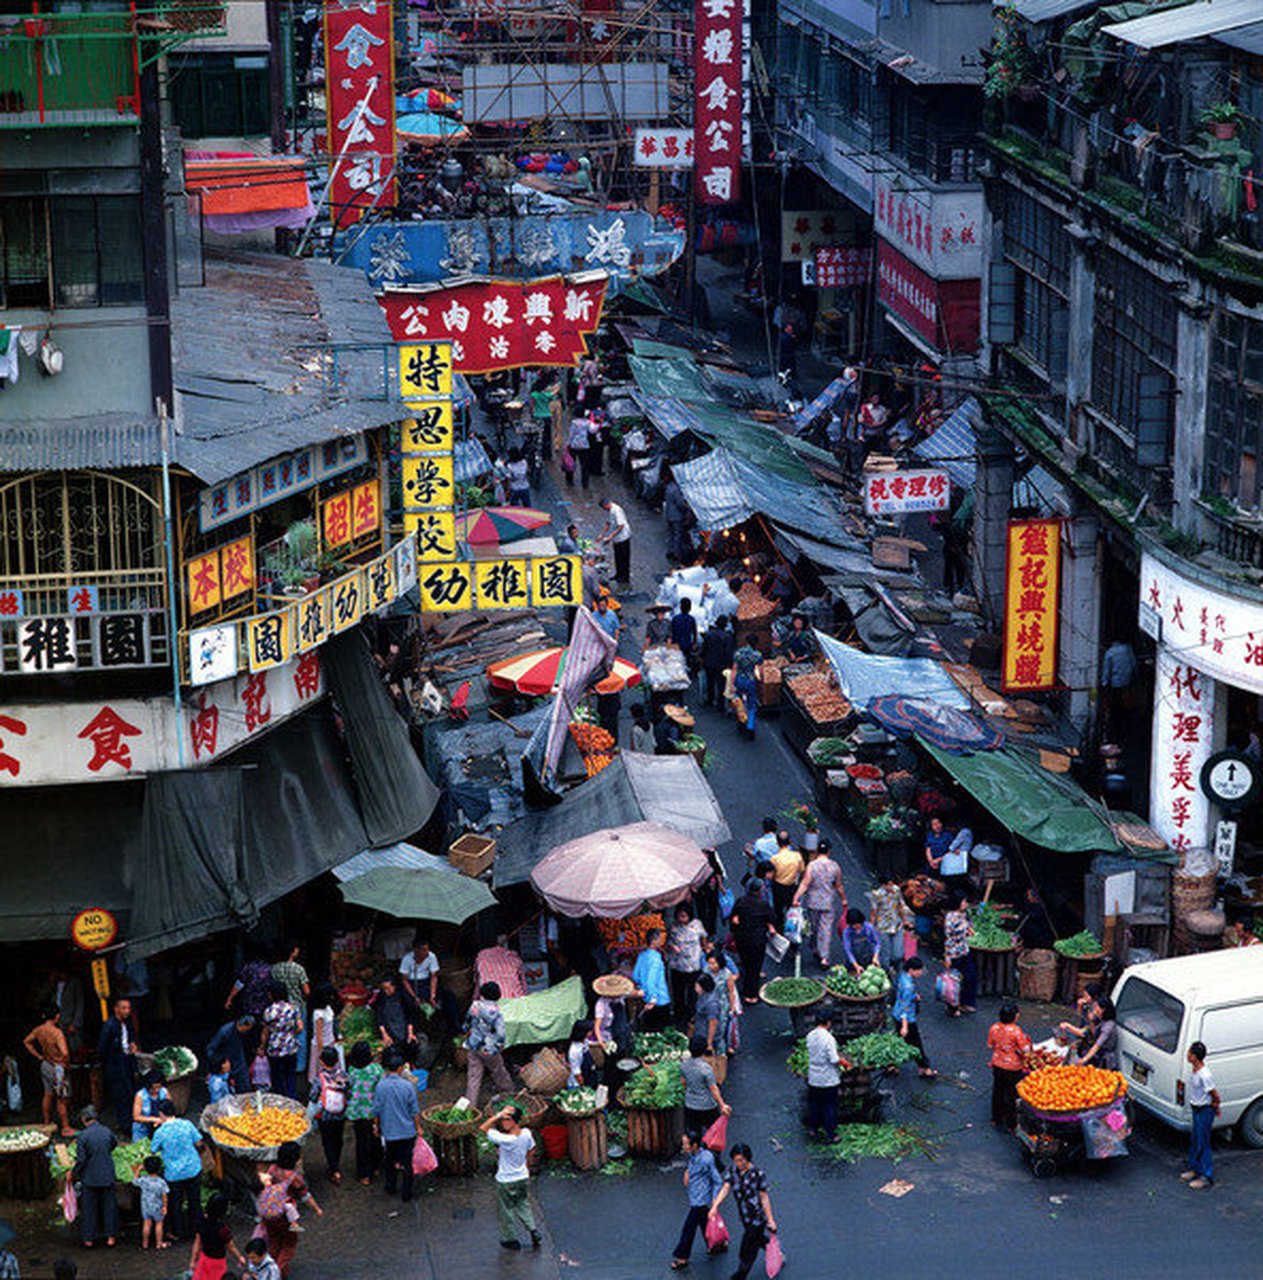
[{"x": 1233, "y": 1035}]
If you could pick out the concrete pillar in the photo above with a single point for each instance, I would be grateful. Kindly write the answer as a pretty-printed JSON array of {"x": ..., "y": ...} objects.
[
  {"x": 993, "y": 500},
  {"x": 1185, "y": 701},
  {"x": 1188, "y": 444},
  {"x": 1079, "y": 633},
  {"x": 1082, "y": 304}
]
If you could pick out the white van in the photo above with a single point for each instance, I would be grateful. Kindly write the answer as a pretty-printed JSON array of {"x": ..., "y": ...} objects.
[{"x": 1164, "y": 1006}]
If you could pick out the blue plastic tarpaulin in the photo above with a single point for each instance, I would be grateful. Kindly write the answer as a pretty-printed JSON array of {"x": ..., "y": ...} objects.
[{"x": 865, "y": 676}]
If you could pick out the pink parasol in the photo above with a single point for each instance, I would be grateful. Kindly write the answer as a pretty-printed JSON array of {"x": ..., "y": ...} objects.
[{"x": 617, "y": 871}]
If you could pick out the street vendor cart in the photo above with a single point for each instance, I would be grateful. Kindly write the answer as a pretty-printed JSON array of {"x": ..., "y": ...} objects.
[{"x": 1071, "y": 1113}]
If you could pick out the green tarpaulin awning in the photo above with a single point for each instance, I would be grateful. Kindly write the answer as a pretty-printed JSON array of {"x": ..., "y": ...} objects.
[
  {"x": 1048, "y": 809},
  {"x": 544, "y": 1016}
]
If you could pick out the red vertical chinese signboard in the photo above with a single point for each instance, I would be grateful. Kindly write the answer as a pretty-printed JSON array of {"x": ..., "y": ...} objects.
[
  {"x": 717, "y": 100},
  {"x": 1030, "y": 604},
  {"x": 360, "y": 92}
]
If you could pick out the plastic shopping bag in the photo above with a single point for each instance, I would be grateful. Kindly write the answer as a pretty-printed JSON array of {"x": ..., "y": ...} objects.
[
  {"x": 716, "y": 1234},
  {"x": 69, "y": 1201},
  {"x": 947, "y": 988},
  {"x": 423, "y": 1158},
  {"x": 727, "y": 900},
  {"x": 777, "y": 946},
  {"x": 716, "y": 1137},
  {"x": 773, "y": 1258},
  {"x": 794, "y": 924}
]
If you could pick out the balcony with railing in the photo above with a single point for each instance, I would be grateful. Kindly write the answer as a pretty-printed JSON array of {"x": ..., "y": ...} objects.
[{"x": 59, "y": 69}]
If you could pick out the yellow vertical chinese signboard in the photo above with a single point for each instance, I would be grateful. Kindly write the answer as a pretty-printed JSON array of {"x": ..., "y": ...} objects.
[
  {"x": 427, "y": 445},
  {"x": 1032, "y": 579}
]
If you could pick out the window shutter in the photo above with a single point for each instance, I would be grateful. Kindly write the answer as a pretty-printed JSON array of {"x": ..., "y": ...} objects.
[
  {"x": 1002, "y": 303},
  {"x": 1058, "y": 344},
  {"x": 1153, "y": 421}
]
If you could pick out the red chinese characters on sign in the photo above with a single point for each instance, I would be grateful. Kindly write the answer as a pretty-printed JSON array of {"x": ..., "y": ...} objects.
[
  {"x": 204, "y": 728},
  {"x": 501, "y": 324},
  {"x": 946, "y": 313},
  {"x": 254, "y": 697},
  {"x": 842, "y": 267},
  {"x": 717, "y": 87},
  {"x": 10, "y": 725},
  {"x": 108, "y": 731},
  {"x": 663, "y": 148},
  {"x": 307, "y": 675},
  {"x": 360, "y": 94},
  {"x": 1030, "y": 604},
  {"x": 1183, "y": 739},
  {"x": 897, "y": 492}
]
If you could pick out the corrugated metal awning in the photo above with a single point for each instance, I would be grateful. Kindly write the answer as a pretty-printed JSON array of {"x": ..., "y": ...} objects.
[
  {"x": 1045, "y": 10},
  {"x": 1247, "y": 39},
  {"x": 1190, "y": 22},
  {"x": 104, "y": 441}
]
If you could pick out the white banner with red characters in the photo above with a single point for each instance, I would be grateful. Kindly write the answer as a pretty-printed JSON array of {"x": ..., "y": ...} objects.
[
  {"x": 889, "y": 493},
  {"x": 717, "y": 89},
  {"x": 663, "y": 149},
  {"x": 501, "y": 324},
  {"x": 360, "y": 98},
  {"x": 47, "y": 744},
  {"x": 1183, "y": 740}
]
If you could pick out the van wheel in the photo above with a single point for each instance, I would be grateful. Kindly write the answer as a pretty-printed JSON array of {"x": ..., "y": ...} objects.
[{"x": 1250, "y": 1126}]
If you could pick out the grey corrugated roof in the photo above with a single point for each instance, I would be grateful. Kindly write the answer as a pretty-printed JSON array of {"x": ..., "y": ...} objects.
[
  {"x": 913, "y": 69},
  {"x": 108, "y": 441},
  {"x": 1189, "y": 22},
  {"x": 1247, "y": 39},
  {"x": 1045, "y": 10},
  {"x": 252, "y": 364}
]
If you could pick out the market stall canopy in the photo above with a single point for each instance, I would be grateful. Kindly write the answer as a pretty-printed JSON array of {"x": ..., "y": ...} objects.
[
  {"x": 865, "y": 676},
  {"x": 671, "y": 790},
  {"x": 419, "y": 893},
  {"x": 544, "y": 1016},
  {"x": 612, "y": 873},
  {"x": 537, "y": 673},
  {"x": 490, "y": 526},
  {"x": 393, "y": 855},
  {"x": 954, "y": 446},
  {"x": 1048, "y": 809},
  {"x": 822, "y": 404},
  {"x": 946, "y": 728}
]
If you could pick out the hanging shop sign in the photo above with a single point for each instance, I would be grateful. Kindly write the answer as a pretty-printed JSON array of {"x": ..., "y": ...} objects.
[
  {"x": 47, "y": 645},
  {"x": 804, "y": 231},
  {"x": 717, "y": 100},
  {"x": 289, "y": 474},
  {"x": 888, "y": 493},
  {"x": 662, "y": 148},
  {"x": 93, "y": 929},
  {"x": 939, "y": 231},
  {"x": 1183, "y": 744},
  {"x": 54, "y": 744},
  {"x": 221, "y": 576},
  {"x": 427, "y": 442},
  {"x": 352, "y": 516},
  {"x": 843, "y": 266},
  {"x": 945, "y": 313},
  {"x": 1212, "y": 631},
  {"x": 498, "y": 324},
  {"x": 626, "y": 244},
  {"x": 360, "y": 94},
  {"x": 510, "y": 583},
  {"x": 1030, "y": 605}
]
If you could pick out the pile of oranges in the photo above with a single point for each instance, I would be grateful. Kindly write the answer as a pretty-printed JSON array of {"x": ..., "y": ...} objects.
[
  {"x": 266, "y": 1128},
  {"x": 1071, "y": 1088}
]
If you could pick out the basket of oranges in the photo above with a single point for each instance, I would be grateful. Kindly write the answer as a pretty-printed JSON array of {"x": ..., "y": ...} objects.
[
  {"x": 1068, "y": 1092},
  {"x": 253, "y": 1125}
]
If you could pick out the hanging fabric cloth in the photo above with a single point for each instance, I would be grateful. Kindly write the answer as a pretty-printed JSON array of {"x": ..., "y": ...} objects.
[{"x": 9, "y": 354}]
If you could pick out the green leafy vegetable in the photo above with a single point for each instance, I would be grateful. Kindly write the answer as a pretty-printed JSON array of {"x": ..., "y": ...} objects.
[
  {"x": 878, "y": 1050},
  {"x": 175, "y": 1061},
  {"x": 128, "y": 1159},
  {"x": 453, "y": 1115},
  {"x": 792, "y": 991},
  {"x": 874, "y": 981},
  {"x": 1085, "y": 943},
  {"x": 875, "y": 1142},
  {"x": 797, "y": 1060},
  {"x": 989, "y": 933},
  {"x": 655, "y": 1088},
  {"x": 661, "y": 1046},
  {"x": 576, "y": 1101}
]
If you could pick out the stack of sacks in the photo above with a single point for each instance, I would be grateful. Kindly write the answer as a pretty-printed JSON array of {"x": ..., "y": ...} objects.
[{"x": 711, "y": 596}]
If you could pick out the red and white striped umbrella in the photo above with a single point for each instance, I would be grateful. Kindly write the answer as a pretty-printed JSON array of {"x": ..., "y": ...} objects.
[
  {"x": 617, "y": 871},
  {"x": 538, "y": 673}
]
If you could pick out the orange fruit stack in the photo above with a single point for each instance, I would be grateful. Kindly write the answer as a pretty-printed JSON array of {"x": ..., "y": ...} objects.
[
  {"x": 267, "y": 1128},
  {"x": 1067, "y": 1088}
]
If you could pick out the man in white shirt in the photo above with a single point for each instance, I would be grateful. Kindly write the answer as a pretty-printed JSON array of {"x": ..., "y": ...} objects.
[
  {"x": 765, "y": 846},
  {"x": 419, "y": 970},
  {"x": 513, "y": 1202},
  {"x": 1203, "y": 1101},
  {"x": 617, "y": 533},
  {"x": 823, "y": 1077}
]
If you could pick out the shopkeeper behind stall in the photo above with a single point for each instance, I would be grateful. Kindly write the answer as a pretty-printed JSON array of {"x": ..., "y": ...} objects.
[
  {"x": 799, "y": 644},
  {"x": 658, "y": 628},
  {"x": 947, "y": 852}
]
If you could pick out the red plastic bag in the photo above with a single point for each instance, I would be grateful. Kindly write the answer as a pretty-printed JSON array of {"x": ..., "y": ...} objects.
[
  {"x": 423, "y": 1158},
  {"x": 716, "y": 1137},
  {"x": 716, "y": 1234},
  {"x": 773, "y": 1258}
]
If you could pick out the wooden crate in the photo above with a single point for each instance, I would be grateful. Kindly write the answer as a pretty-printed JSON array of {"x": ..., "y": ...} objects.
[
  {"x": 472, "y": 854},
  {"x": 25, "y": 1175}
]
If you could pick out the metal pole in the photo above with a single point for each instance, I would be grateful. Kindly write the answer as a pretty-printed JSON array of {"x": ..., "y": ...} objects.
[{"x": 173, "y": 635}]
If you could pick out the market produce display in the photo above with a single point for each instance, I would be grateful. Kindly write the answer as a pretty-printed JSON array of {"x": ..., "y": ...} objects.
[
  {"x": 661, "y": 1046},
  {"x": 989, "y": 931},
  {"x": 664, "y": 668},
  {"x": 576, "y": 1102},
  {"x": 879, "y": 1050},
  {"x": 655, "y": 1088},
  {"x": 450, "y": 1115},
  {"x": 1035, "y": 1059},
  {"x": 175, "y": 1061},
  {"x": 591, "y": 738},
  {"x": 268, "y": 1127},
  {"x": 360, "y": 1023},
  {"x": 128, "y": 1157},
  {"x": 752, "y": 603},
  {"x": 631, "y": 933},
  {"x": 1084, "y": 943},
  {"x": 797, "y": 1061},
  {"x": 692, "y": 744},
  {"x": 16, "y": 1140},
  {"x": 828, "y": 752},
  {"x": 874, "y": 981},
  {"x": 922, "y": 891},
  {"x": 818, "y": 697},
  {"x": 789, "y": 993},
  {"x": 1070, "y": 1088}
]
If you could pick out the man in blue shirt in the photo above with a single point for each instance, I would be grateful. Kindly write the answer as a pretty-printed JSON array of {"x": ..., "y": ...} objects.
[
  {"x": 228, "y": 1044},
  {"x": 702, "y": 1182},
  {"x": 684, "y": 631},
  {"x": 606, "y": 618},
  {"x": 397, "y": 1121},
  {"x": 650, "y": 977}
]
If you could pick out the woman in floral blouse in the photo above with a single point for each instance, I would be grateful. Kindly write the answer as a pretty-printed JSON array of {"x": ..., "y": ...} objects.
[
  {"x": 957, "y": 931},
  {"x": 362, "y": 1077}
]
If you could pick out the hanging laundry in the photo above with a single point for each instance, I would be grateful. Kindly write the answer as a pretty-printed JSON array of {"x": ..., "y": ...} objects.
[
  {"x": 9, "y": 354},
  {"x": 29, "y": 338}
]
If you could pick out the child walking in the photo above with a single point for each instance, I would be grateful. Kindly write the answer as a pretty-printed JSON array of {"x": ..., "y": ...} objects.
[
  {"x": 153, "y": 1203},
  {"x": 905, "y": 1010}
]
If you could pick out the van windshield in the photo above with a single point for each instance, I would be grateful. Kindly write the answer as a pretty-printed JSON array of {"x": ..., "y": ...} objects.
[{"x": 1153, "y": 1015}]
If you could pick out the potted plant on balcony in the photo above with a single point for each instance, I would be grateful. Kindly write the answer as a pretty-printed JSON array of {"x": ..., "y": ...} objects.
[
  {"x": 1222, "y": 118},
  {"x": 1010, "y": 68}
]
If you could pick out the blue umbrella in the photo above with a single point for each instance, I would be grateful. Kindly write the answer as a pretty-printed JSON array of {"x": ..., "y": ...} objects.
[{"x": 947, "y": 728}]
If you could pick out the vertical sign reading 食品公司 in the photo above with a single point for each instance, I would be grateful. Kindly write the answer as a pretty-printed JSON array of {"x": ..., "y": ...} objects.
[
  {"x": 360, "y": 97},
  {"x": 717, "y": 100},
  {"x": 1030, "y": 604}
]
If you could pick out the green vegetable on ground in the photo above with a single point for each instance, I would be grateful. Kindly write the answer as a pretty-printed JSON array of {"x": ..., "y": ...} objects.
[
  {"x": 989, "y": 933},
  {"x": 792, "y": 991},
  {"x": 875, "y": 1142},
  {"x": 655, "y": 1088},
  {"x": 1084, "y": 943},
  {"x": 576, "y": 1101},
  {"x": 128, "y": 1159},
  {"x": 879, "y": 1050}
]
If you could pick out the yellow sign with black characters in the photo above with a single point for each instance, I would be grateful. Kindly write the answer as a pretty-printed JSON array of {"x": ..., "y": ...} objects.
[
  {"x": 312, "y": 614},
  {"x": 269, "y": 639},
  {"x": 556, "y": 580},
  {"x": 428, "y": 481},
  {"x": 431, "y": 429},
  {"x": 502, "y": 584},
  {"x": 435, "y": 531},
  {"x": 446, "y": 586},
  {"x": 425, "y": 369}
]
